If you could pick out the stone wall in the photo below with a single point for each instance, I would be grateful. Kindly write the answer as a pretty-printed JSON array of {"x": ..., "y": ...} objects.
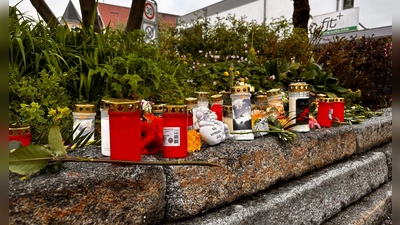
[{"x": 264, "y": 181}]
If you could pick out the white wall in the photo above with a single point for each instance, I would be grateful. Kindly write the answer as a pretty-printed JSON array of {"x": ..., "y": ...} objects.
[
  {"x": 372, "y": 14},
  {"x": 252, "y": 11}
]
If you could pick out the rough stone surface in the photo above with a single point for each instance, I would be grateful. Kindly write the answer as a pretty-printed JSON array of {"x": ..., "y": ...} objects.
[
  {"x": 373, "y": 131},
  {"x": 310, "y": 200},
  {"x": 387, "y": 149},
  {"x": 89, "y": 193},
  {"x": 248, "y": 167},
  {"x": 369, "y": 210},
  {"x": 101, "y": 193}
]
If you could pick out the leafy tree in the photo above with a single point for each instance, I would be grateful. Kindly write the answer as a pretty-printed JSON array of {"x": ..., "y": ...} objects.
[{"x": 89, "y": 14}]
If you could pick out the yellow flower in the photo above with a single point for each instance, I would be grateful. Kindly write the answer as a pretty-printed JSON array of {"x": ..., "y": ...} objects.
[
  {"x": 252, "y": 51},
  {"x": 226, "y": 74},
  {"x": 52, "y": 112},
  {"x": 194, "y": 141},
  {"x": 237, "y": 73},
  {"x": 230, "y": 68}
]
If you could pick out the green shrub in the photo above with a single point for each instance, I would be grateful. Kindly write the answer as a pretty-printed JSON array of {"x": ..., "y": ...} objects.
[{"x": 363, "y": 63}]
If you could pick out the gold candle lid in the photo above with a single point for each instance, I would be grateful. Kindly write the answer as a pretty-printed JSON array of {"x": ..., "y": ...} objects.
[
  {"x": 85, "y": 108},
  {"x": 227, "y": 108},
  {"x": 299, "y": 87},
  {"x": 202, "y": 96},
  {"x": 191, "y": 101},
  {"x": 326, "y": 100},
  {"x": 273, "y": 92},
  {"x": 124, "y": 106},
  {"x": 19, "y": 130},
  {"x": 321, "y": 95},
  {"x": 338, "y": 100},
  {"x": 240, "y": 89},
  {"x": 216, "y": 98},
  {"x": 175, "y": 109},
  {"x": 261, "y": 98},
  {"x": 157, "y": 108}
]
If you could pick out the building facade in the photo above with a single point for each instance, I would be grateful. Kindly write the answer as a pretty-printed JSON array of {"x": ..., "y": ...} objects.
[{"x": 373, "y": 16}]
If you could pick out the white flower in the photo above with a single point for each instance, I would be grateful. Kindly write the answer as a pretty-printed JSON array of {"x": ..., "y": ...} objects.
[
  {"x": 200, "y": 51},
  {"x": 204, "y": 64},
  {"x": 245, "y": 45},
  {"x": 146, "y": 105},
  {"x": 245, "y": 51},
  {"x": 215, "y": 83},
  {"x": 272, "y": 77},
  {"x": 232, "y": 56}
]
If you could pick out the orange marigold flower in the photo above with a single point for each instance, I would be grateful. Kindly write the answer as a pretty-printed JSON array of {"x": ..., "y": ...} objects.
[
  {"x": 194, "y": 141},
  {"x": 255, "y": 115}
]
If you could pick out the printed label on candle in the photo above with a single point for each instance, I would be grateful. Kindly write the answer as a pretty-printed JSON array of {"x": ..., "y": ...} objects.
[
  {"x": 171, "y": 136},
  {"x": 241, "y": 113},
  {"x": 302, "y": 111},
  {"x": 330, "y": 113}
]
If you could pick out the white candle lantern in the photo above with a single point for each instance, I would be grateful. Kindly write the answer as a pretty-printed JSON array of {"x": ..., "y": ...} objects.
[
  {"x": 84, "y": 115},
  {"x": 299, "y": 106},
  {"x": 105, "y": 127},
  {"x": 241, "y": 113}
]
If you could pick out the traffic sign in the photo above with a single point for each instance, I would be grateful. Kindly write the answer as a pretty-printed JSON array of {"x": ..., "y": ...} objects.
[{"x": 150, "y": 11}]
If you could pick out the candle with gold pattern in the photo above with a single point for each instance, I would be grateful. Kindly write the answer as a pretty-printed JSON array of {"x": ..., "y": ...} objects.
[
  {"x": 125, "y": 133},
  {"x": 84, "y": 116}
]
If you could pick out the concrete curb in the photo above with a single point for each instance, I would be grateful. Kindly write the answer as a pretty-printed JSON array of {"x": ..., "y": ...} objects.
[
  {"x": 369, "y": 210},
  {"x": 310, "y": 200}
]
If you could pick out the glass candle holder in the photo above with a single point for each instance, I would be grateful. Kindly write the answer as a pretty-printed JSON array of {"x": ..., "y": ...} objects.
[
  {"x": 84, "y": 116},
  {"x": 175, "y": 131},
  {"x": 299, "y": 106},
  {"x": 105, "y": 127},
  {"x": 241, "y": 113},
  {"x": 261, "y": 102},
  {"x": 191, "y": 104},
  {"x": 325, "y": 112},
  {"x": 338, "y": 109},
  {"x": 226, "y": 97},
  {"x": 203, "y": 98},
  {"x": 216, "y": 105},
  {"x": 275, "y": 101},
  {"x": 227, "y": 117},
  {"x": 21, "y": 133},
  {"x": 125, "y": 133}
]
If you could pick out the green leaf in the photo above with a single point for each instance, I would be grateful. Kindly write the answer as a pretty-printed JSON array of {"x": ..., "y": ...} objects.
[
  {"x": 55, "y": 141},
  {"x": 341, "y": 89},
  {"x": 29, "y": 160}
]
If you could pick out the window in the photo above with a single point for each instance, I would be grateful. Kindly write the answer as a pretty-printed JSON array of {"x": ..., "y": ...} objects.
[{"x": 348, "y": 4}]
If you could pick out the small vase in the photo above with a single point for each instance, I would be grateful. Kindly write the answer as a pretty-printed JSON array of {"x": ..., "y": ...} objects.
[{"x": 21, "y": 133}]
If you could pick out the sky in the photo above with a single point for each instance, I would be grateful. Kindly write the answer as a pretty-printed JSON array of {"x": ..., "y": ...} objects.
[{"x": 176, "y": 7}]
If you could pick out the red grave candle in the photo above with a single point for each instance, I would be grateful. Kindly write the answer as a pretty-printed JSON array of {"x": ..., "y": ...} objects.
[
  {"x": 216, "y": 105},
  {"x": 175, "y": 125},
  {"x": 124, "y": 117},
  {"x": 325, "y": 112},
  {"x": 338, "y": 109},
  {"x": 20, "y": 133}
]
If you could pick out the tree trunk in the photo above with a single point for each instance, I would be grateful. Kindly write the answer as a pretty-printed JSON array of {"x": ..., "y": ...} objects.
[
  {"x": 135, "y": 15},
  {"x": 301, "y": 14},
  {"x": 45, "y": 12},
  {"x": 89, "y": 10}
]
